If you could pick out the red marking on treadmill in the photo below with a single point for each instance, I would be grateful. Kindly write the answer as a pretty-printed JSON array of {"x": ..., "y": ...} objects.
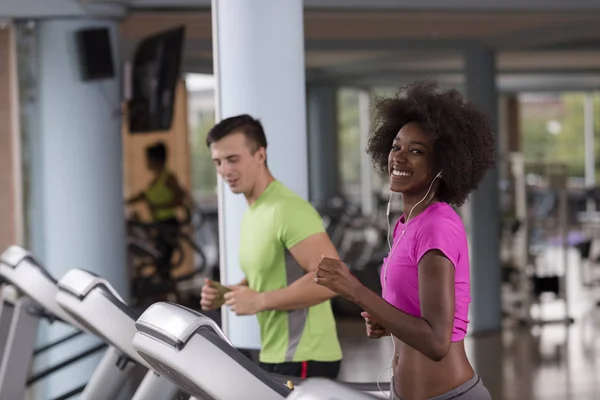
[{"x": 304, "y": 369}]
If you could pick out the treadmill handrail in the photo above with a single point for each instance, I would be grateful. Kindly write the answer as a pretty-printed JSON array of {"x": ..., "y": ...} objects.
[
  {"x": 14, "y": 256},
  {"x": 125, "y": 308},
  {"x": 245, "y": 362},
  {"x": 152, "y": 323},
  {"x": 80, "y": 283}
]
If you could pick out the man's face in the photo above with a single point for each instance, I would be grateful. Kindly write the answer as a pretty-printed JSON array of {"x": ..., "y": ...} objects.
[{"x": 236, "y": 163}]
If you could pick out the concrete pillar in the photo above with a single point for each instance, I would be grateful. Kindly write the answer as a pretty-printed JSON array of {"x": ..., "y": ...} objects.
[
  {"x": 485, "y": 312},
  {"x": 509, "y": 124},
  {"x": 259, "y": 66},
  {"x": 503, "y": 136},
  {"x": 323, "y": 143},
  {"x": 74, "y": 176},
  {"x": 367, "y": 172},
  {"x": 590, "y": 148},
  {"x": 513, "y": 123}
]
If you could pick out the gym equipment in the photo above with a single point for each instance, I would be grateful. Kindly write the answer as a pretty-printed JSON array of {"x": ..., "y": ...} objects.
[
  {"x": 360, "y": 242},
  {"x": 546, "y": 225},
  {"x": 37, "y": 289},
  {"x": 143, "y": 250},
  {"x": 8, "y": 299},
  {"x": 165, "y": 330},
  {"x": 94, "y": 303},
  {"x": 189, "y": 349},
  {"x": 326, "y": 389}
]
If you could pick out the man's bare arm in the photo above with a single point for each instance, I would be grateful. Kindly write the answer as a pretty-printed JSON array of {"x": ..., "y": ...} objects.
[{"x": 303, "y": 292}]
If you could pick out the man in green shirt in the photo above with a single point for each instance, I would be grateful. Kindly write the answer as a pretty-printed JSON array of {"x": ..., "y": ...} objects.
[{"x": 282, "y": 241}]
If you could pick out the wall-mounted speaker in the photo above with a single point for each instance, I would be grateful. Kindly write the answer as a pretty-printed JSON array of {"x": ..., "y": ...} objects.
[{"x": 95, "y": 54}]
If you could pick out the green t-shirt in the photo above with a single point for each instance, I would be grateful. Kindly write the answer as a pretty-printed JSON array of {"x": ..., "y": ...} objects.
[{"x": 276, "y": 222}]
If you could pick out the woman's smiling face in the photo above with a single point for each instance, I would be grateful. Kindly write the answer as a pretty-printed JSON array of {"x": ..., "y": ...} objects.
[{"x": 411, "y": 160}]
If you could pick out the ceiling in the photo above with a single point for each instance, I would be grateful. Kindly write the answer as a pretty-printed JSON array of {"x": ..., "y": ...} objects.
[{"x": 536, "y": 50}]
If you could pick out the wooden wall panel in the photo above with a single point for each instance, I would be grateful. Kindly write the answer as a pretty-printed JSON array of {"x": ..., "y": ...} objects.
[
  {"x": 136, "y": 175},
  {"x": 9, "y": 207}
]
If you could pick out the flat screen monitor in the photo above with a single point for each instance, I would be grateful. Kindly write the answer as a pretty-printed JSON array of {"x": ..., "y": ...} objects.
[{"x": 154, "y": 75}]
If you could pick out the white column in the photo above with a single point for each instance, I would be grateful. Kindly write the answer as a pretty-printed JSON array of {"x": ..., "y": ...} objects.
[
  {"x": 485, "y": 312},
  {"x": 590, "y": 147},
  {"x": 503, "y": 136},
  {"x": 259, "y": 66},
  {"x": 366, "y": 165},
  {"x": 76, "y": 212}
]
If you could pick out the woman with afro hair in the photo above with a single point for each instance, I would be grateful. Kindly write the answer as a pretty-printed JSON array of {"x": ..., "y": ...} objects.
[{"x": 435, "y": 148}]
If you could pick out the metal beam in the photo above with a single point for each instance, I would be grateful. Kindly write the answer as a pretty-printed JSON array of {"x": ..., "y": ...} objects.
[
  {"x": 40, "y": 9},
  {"x": 548, "y": 83},
  {"x": 205, "y": 45},
  {"x": 196, "y": 66},
  {"x": 585, "y": 44},
  {"x": 385, "y": 44},
  {"x": 392, "y": 75},
  {"x": 505, "y": 83},
  {"x": 457, "y": 5},
  {"x": 426, "y": 5},
  {"x": 547, "y": 36},
  {"x": 374, "y": 45}
]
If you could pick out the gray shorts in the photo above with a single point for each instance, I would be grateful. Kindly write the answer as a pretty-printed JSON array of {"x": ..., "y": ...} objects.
[{"x": 473, "y": 389}]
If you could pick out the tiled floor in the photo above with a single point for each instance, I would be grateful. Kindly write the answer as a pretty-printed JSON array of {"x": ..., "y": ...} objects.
[
  {"x": 553, "y": 362},
  {"x": 550, "y": 362}
]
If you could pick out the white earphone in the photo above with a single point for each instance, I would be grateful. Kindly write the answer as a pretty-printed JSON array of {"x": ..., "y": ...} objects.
[{"x": 389, "y": 208}]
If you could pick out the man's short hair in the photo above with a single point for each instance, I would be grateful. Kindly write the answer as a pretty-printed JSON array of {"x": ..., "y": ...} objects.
[{"x": 251, "y": 127}]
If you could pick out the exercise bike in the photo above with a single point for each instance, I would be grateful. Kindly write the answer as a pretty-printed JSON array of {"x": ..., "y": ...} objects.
[{"x": 147, "y": 243}]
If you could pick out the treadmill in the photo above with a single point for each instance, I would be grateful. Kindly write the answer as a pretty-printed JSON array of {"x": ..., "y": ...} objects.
[
  {"x": 35, "y": 300},
  {"x": 189, "y": 349},
  {"x": 95, "y": 304}
]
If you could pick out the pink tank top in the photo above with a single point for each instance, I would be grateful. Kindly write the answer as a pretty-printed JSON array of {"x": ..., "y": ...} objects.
[{"x": 437, "y": 227}]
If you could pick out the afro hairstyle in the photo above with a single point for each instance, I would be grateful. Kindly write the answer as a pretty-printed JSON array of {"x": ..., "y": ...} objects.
[{"x": 463, "y": 137}]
